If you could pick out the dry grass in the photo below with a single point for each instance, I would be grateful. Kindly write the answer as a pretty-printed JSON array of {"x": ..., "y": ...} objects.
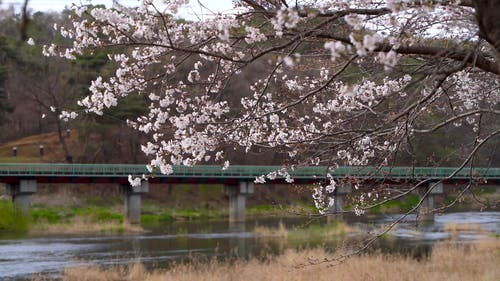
[
  {"x": 65, "y": 197},
  {"x": 265, "y": 231},
  {"x": 28, "y": 148},
  {"x": 448, "y": 262},
  {"x": 464, "y": 227},
  {"x": 321, "y": 232},
  {"x": 83, "y": 225}
]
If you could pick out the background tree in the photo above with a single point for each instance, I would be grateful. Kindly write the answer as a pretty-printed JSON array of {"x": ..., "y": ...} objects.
[{"x": 41, "y": 89}]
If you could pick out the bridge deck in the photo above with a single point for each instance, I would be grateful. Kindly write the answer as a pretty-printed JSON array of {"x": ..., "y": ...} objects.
[{"x": 242, "y": 172}]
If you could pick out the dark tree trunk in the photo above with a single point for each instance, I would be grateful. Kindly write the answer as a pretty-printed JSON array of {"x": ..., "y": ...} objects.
[
  {"x": 488, "y": 19},
  {"x": 62, "y": 141}
]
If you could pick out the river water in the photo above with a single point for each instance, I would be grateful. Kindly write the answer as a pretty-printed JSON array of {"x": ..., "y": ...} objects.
[{"x": 21, "y": 258}]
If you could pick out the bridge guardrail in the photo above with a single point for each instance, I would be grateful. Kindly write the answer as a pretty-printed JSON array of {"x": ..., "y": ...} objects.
[{"x": 246, "y": 172}]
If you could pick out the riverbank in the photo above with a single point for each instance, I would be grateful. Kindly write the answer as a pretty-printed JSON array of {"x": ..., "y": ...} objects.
[
  {"x": 448, "y": 261},
  {"x": 67, "y": 220},
  {"x": 99, "y": 209},
  {"x": 181, "y": 241}
]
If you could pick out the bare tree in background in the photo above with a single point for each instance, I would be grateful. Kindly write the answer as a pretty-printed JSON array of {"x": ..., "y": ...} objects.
[{"x": 42, "y": 91}]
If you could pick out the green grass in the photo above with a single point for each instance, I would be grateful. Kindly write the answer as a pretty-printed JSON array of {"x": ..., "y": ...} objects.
[
  {"x": 156, "y": 219},
  {"x": 262, "y": 208},
  {"x": 12, "y": 220},
  {"x": 152, "y": 215},
  {"x": 198, "y": 214},
  {"x": 281, "y": 210},
  {"x": 76, "y": 220},
  {"x": 104, "y": 216},
  {"x": 54, "y": 215},
  {"x": 97, "y": 214},
  {"x": 43, "y": 215},
  {"x": 402, "y": 205}
]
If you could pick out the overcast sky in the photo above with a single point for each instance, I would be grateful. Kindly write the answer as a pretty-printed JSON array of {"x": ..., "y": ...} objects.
[{"x": 58, "y": 5}]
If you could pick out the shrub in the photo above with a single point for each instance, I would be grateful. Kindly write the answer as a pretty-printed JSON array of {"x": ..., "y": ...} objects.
[{"x": 11, "y": 220}]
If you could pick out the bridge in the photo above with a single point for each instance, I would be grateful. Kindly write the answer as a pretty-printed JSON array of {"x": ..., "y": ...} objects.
[
  {"x": 119, "y": 172},
  {"x": 21, "y": 179}
]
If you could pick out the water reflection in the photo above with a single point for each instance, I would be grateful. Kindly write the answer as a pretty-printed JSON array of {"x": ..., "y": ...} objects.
[
  {"x": 22, "y": 257},
  {"x": 237, "y": 242}
]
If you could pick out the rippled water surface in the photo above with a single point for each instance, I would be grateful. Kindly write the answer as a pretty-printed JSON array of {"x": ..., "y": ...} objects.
[{"x": 21, "y": 258}]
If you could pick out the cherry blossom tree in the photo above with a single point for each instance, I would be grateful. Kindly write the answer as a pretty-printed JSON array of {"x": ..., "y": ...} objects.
[{"x": 347, "y": 82}]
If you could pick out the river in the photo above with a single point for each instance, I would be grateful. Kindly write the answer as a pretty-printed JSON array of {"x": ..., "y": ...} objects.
[{"x": 23, "y": 257}]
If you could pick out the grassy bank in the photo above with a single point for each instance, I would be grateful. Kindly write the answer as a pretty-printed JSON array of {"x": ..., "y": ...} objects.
[
  {"x": 88, "y": 220},
  {"x": 62, "y": 221},
  {"x": 101, "y": 219},
  {"x": 99, "y": 209},
  {"x": 395, "y": 206},
  {"x": 154, "y": 214},
  {"x": 448, "y": 261},
  {"x": 12, "y": 220}
]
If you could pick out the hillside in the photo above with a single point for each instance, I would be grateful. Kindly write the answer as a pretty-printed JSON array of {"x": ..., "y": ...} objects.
[{"x": 28, "y": 148}]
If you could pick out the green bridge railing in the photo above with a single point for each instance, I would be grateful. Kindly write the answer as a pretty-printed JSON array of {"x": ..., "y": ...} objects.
[{"x": 243, "y": 172}]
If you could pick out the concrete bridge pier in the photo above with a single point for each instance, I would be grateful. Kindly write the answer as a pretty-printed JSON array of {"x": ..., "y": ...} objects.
[
  {"x": 237, "y": 200},
  {"x": 21, "y": 194},
  {"x": 132, "y": 201},
  {"x": 338, "y": 198},
  {"x": 425, "y": 211}
]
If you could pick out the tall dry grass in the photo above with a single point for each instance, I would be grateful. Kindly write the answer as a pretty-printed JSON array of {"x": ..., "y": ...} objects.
[
  {"x": 85, "y": 225},
  {"x": 325, "y": 232},
  {"x": 448, "y": 261},
  {"x": 465, "y": 227},
  {"x": 265, "y": 231}
]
